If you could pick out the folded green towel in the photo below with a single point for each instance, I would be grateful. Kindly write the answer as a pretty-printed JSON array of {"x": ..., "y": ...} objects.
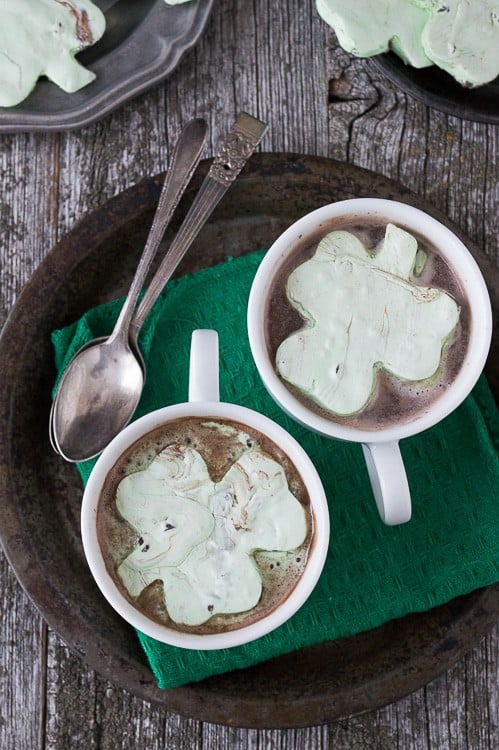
[{"x": 373, "y": 572}]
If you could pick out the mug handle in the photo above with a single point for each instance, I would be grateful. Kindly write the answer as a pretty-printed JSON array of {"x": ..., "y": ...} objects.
[
  {"x": 389, "y": 481},
  {"x": 203, "y": 366}
]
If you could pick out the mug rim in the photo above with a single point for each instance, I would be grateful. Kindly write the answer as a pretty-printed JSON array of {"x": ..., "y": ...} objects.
[
  {"x": 318, "y": 508},
  {"x": 462, "y": 263}
]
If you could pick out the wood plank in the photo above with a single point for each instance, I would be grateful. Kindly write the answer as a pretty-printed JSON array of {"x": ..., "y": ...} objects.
[
  {"x": 452, "y": 163},
  {"x": 280, "y": 62},
  {"x": 22, "y": 666},
  {"x": 26, "y": 234}
]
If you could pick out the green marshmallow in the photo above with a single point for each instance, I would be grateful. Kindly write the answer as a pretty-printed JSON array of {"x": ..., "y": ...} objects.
[
  {"x": 367, "y": 28},
  {"x": 198, "y": 537},
  {"x": 460, "y": 36},
  {"x": 42, "y": 37},
  {"x": 362, "y": 313}
]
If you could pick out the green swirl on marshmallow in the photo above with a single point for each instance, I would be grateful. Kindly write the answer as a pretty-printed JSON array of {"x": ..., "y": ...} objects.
[
  {"x": 363, "y": 314},
  {"x": 42, "y": 37},
  {"x": 197, "y": 537}
]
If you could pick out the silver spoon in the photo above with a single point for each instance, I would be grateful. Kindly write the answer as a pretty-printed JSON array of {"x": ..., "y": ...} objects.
[
  {"x": 86, "y": 394},
  {"x": 101, "y": 388}
]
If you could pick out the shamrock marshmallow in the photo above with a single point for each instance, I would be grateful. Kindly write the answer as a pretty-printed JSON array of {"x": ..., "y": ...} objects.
[
  {"x": 197, "y": 537},
  {"x": 362, "y": 313}
]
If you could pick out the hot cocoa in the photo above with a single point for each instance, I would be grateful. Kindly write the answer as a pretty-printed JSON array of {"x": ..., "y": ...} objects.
[
  {"x": 205, "y": 525},
  {"x": 419, "y": 311}
]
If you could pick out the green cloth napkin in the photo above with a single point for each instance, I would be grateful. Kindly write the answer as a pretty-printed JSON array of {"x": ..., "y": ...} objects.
[{"x": 373, "y": 572}]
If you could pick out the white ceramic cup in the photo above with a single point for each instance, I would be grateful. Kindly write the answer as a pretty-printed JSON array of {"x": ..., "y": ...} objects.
[
  {"x": 204, "y": 402},
  {"x": 381, "y": 447}
]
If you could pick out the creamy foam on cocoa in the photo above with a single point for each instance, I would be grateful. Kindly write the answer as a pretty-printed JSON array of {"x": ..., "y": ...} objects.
[
  {"x": 393, "y": 400},
  {"x": 222, "y": 445}
]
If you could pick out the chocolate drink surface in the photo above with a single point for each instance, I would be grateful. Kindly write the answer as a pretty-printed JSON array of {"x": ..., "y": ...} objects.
[
  {"x": 205, "y": 525},
  {"x": 366, "y": 322}
]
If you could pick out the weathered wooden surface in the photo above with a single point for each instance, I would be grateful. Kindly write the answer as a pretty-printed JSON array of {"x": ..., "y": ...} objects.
[{"x": 280, "y": 62}]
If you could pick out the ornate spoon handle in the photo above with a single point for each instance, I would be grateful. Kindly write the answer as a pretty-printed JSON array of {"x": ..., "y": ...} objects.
[{"x": 236, "y": 150}]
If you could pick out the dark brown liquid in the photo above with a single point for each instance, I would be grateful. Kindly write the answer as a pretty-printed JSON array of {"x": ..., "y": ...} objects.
[
  {"x": 393, "y": 400},
  {"x": 279, "y": 571}
]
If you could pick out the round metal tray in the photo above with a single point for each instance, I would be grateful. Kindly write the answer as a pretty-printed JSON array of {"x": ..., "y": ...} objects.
[{"x": 40, "y": 495}]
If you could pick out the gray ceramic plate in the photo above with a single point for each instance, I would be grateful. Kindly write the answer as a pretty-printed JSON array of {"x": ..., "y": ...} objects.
[
  {"x": 143, "y": 42},
  {"x": 40, "y": 494}
]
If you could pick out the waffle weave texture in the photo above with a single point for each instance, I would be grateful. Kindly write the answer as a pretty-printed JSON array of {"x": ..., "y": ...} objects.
[{"x": 373, "y": 573}]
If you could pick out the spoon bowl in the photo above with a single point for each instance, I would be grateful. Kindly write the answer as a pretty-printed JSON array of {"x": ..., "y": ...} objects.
[
  {"x": 93, "y": 343},
  {"x": 99, "y": 410}
]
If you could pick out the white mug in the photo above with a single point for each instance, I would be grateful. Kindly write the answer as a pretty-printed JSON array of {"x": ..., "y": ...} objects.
[
  {"x": 381, "y": 446},
  {"x": 204, "y": 402}
]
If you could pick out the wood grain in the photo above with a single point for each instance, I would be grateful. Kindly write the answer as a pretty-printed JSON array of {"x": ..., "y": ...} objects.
[{"x": 280, "y": 62}]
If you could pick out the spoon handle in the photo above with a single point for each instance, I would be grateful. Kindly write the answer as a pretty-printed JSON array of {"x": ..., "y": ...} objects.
[
  {"x": 185, "y": 158},
  {"x": 235, "y": 151}
]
